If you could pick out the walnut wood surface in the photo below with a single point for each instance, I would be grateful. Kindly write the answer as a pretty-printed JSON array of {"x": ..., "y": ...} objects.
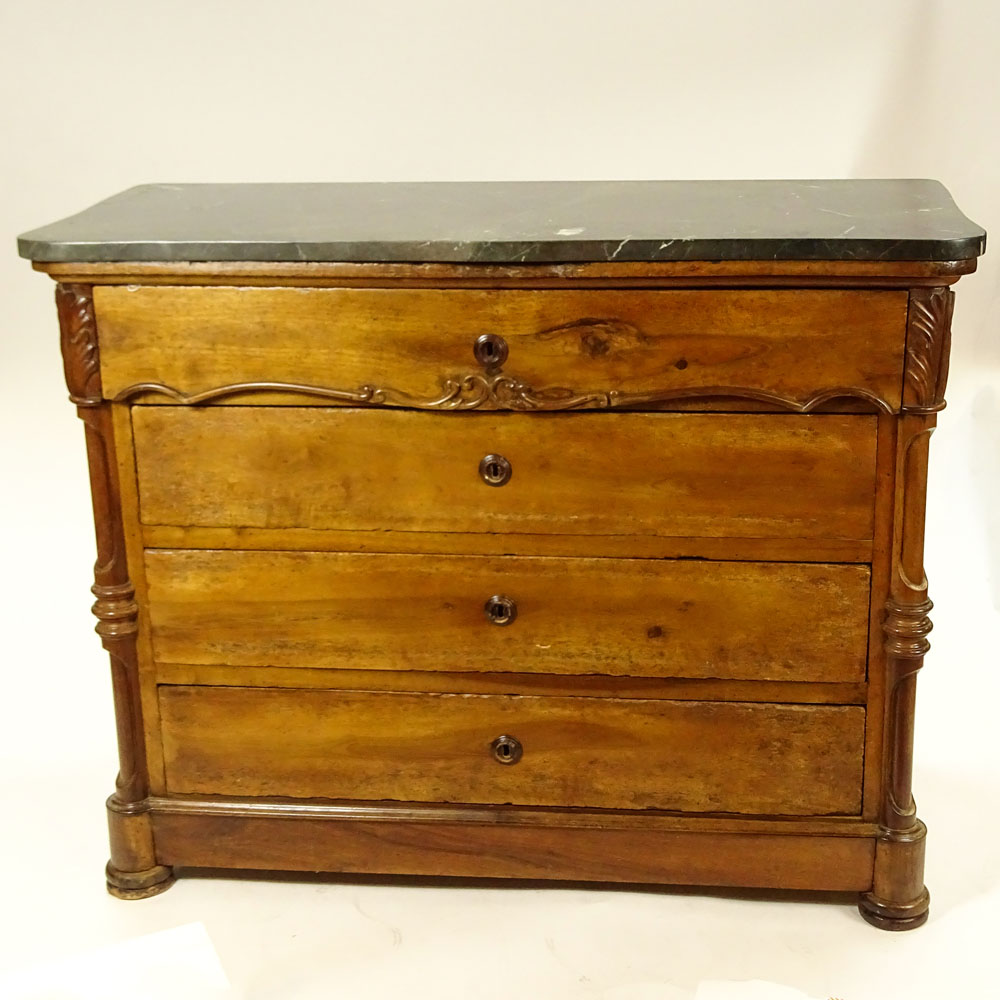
[
  {"x": 575, "y": 685},
  {"x": 676, "y": 273},
  {"x": 549, "y": 817},
  {"x": 133, "y": 871},
  {"x": 78, "y": 341},
  {"x": 640, "y": 617},
  {"x": 134, "y": 552},
  {"x": 928, "y": 346},
  {"x": 268, "y": 485},
  {"x": 407, "y": 344},
  {"x": 880, "y": 569},
  {"x": 115, "y": 607},
  {"x": 898, "y": 899},
  {"x": 688, "y": 756},
  {"x": 499, "y": 850},
  {"x": 160, "y": 536},
  {"x": 614, "y": 474}
]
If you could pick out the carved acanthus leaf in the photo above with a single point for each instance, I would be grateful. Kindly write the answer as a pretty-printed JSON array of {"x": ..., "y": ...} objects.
[
  {"x": 78, "y": 336},
  {"x": 928, "y": 344}
]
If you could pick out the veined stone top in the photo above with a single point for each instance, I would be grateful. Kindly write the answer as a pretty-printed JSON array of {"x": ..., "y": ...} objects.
[{"x": 517, "y": 222}]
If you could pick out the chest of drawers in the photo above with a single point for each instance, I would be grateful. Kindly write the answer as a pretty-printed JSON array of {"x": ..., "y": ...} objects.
[{"x": 555, "y": 531}]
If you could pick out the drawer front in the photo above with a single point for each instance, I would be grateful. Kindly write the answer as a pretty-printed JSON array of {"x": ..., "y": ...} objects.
[
  {"x": 639, "y": 617},
  {"x": 666, "y": 474},
  {"x": 409, "y": 342},
  {"x": 617, "y": 754}
]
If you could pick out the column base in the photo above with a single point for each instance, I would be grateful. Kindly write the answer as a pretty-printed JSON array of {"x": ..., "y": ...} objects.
[
  {"x": 898, "y": 900},
  {"x": 139, "y": 885},
  {"x": 895, "y": 916}
]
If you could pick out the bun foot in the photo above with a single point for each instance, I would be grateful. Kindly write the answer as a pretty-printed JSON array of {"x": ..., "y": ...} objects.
[
  {"x": 895, "y": 916},
  {"x": 139, "y": 885}
]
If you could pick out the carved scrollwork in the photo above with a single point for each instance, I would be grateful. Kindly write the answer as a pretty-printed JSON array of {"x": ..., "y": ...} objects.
[
  {"x": 502, "y": 392},
  {"x": 366, "y": 394},
  {"x": 928, "y": 343},
  {"x": 78, "y": 330},
  {"x": 638, "y": 399},
  {"x": 496, "y": 392}
]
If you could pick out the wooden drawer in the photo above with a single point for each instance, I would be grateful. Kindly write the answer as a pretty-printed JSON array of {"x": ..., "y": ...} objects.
[
  {"x": 633, "y": 474},
  {"x": 409, "y": 342},
  {"x": 639, "y": 617},
  {"x": 618, "y": 754}
]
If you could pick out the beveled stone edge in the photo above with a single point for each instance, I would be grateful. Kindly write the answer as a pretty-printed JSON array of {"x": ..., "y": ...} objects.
[{"x": 512, "y": 252}]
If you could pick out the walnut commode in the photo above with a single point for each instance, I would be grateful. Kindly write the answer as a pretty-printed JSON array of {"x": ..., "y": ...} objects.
[{"x": 515, "y": 531}]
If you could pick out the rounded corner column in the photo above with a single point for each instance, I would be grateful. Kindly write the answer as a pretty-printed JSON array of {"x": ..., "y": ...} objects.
[
  {"x": 898, "y": 900},
  {"x": 133, "y": 871}
]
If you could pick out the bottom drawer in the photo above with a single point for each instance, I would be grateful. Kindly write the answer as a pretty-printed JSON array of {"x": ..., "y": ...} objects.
[{"x": 730, "y": 757}]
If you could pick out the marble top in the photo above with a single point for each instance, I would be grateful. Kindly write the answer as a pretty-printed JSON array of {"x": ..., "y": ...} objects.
[{"x": 517, "y": 222}]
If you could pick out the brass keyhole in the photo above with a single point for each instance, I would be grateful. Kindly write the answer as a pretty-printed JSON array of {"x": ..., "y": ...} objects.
[
  {"x": 490, "y": 350},
  {"x": 500, "y": 610},
  {"x": 507, "y": 749},
  {"x": 495, "y": 470}
]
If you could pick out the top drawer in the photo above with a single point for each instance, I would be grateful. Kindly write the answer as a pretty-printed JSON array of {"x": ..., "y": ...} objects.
[{"x": 415, "y": 346}]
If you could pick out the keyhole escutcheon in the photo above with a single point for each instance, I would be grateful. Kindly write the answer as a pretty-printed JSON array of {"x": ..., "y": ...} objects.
[
  {"x": 507, "y": 749},
  {"x": 490, "y": 350},
  {"x": 495, "y": 470},
  {"x": 500, "y": 610}
]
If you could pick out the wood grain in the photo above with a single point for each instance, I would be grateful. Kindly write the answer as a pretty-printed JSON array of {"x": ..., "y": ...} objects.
[
  {"x": 498, "y": 850},
  {"x": 551, "y": 818},
  {"x": 835, "y": 550},
  {"x": 613, "y": 274},
  {"x": 792, "y": 344},
  {"x": 573, "y": 685},
  {"x": 751, "y": 621},
  {"x": 135, "y": 557},
  {"x": 899, "y": 900},
  {"x": 752, "y": 700},
  {"x": 686, "y": 756},
  {"x": 880, "y": 566},
  {"x": 717, "y": 475},
  {"x": 132, "y": 871}
]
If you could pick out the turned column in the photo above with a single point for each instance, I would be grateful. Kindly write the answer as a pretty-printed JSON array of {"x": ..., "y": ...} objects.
[
  {"x": 132, "y": 872},
  {"x": 898, "y": 899}
]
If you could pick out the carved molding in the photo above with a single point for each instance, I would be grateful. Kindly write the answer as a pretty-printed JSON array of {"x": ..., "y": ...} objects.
[
  {"x": 116, "y": 610},
  {"x": 78, "y": 339},
  {"x": 500, "y": 392},
  {"x": 906, "y": 628},
  {"x": 906, "y": 623},
  {"x": 928, "y": 345}
]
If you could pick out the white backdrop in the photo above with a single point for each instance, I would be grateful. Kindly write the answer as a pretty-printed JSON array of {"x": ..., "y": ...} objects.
[{"x": 103, "y": 95}]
